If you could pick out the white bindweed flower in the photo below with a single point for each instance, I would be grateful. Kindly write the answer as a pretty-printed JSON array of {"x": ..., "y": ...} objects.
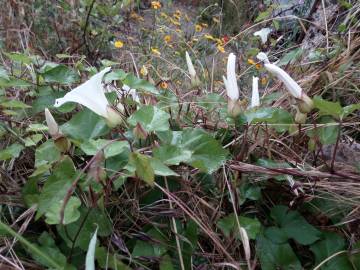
[
  {"x": 263, "y": 34},
  {"x": 230, "y": 81},
  {"x": 255, "y": 98},
  {"x": 91, "y": 95},
  {"x": 293, "y": 87},
  {"x": 52, "y": 125}
]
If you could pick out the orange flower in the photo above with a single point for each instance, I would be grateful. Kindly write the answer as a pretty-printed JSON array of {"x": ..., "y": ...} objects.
[
  {"x": 258, "y": 66},
  {"x": 167, "y": 38},
  {"x": 251, "y": 61},
  {"x": 263, "y": 80},
  {"x": 155, "y": 4},
  {"x": 198, "y": 28},
  {"x": 164, "y": 85}
]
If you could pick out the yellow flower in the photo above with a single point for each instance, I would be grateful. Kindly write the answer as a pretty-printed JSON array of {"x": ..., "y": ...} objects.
[
  {"x": 155, "y": 4},
  {"x": 209, "y": 37},
  {"x": 263, "y": 80},
  {"x": 219, "y": 42},
  {"x": 164, "y": 85},
  {"x": 178, "y": 13},
  {"x": 143, "y": 71},
  {"x": 155, "y": 51},
  {"x": 198, "y": 28},
  {"x": 258, "y": 66},
  {"x": 175, "y": 22},
  {"x": 251, "y": 61},
  {"x": 118, "y": 44},
  {"x": 167, "y": 38},
  {"x": 220, "y": 48}
]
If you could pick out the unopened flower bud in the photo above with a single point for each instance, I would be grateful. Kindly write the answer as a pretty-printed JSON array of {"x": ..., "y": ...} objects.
[
  {"x": 52, "y": 125},
  {"x": 305, "y": 103},
  {"x": 300, "y": 118},
  {"x": 140, "y": 132},
  {"x": 234, "y": 107},
  {"x": 63, "y": 144},
  {"x": 113, "y": 118}
]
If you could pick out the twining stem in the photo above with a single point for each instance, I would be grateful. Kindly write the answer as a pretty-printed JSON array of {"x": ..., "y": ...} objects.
[{"x": 335, "y": 148}]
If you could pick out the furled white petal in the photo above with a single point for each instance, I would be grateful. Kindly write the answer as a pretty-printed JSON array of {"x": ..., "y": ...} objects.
[
  {"x": 281, "y": 74},
  {"x": 190, "y": 66},
  {"x": 289, "y": 82},
  {"x": 126, "y": 88},
  {"x": 89, "y": 94},
  {"x": 255, "y": 98},
  {"x": 51, "y": 123},
  {"x": 263, "y": 34},
  {"x": 232, "y": 89}
]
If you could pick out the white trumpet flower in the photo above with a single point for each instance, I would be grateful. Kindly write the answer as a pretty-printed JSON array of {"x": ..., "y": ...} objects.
[
  {"x": 255, "y": 98},
  {"x": 230, "y": 81},
  {"x": 91, "y": 95},
  {"x": 263, "y": 34},
  {"x": 195, "y": 82},
  {"x": 293, "y": 87}
]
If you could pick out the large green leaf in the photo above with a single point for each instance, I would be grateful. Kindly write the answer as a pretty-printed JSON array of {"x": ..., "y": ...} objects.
[
  {"x": 111, "y": 149},
  {"x": 85, "y": 125},
  {"x": 294, "y": 225},
  {"x": 206, "y": 153},
  {"x": 327, "y": 107},
  {"x": 60, "y": 74},
  {"x": 90, "y": 219},
  {"x": 328, "y": 133},
  {"x": 276, "y": 256},
  {"x": 71, "y": 212},
  {"x": 47, "y": 153},
  {"x": 12, "y": 151},
  {"x": 56, "y": 186},
  {"x": 153, "y": 247},
  {"x": 150, "y": 118},
  {"x": 278, "y": 118},
  {"x": 139, "y": 84},
  {"x": 229, "y": 226},
  {"x": 172, "y": 154},
  {"x": 331, "y": 244},
  {"x": 143, "y": 167}
]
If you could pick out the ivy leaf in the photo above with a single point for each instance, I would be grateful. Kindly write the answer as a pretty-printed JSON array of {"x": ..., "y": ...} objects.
[
  {"x": 281, "y": 119},
  {"x": 71, "y": 212},
  {"x": 276, "y": 256},
  {"x": 46, "y": 153},
  {"x": 172, "y": 155},
  {"x": 150, "y": 118},
  {"x": 349, "y": 109},
  {"x": 229, "y": 226},
  {"x": 91, "y": 147},
  {"x": 331, "y": 244},
  {"x": 13, "y": 151},
  {"x": 143, "y": 167},
  {"x": 85, "y": 125},
  {"x": 139, "y": 84},
  {"x": 206, "y": 153},
  {"x": 294, "y": 225},
  {"x": 90, "y": 219},
  {"x": 327, "y": 107},
  {"x": 60, "y": 74},
  {"x": 56, "y": 186}
]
